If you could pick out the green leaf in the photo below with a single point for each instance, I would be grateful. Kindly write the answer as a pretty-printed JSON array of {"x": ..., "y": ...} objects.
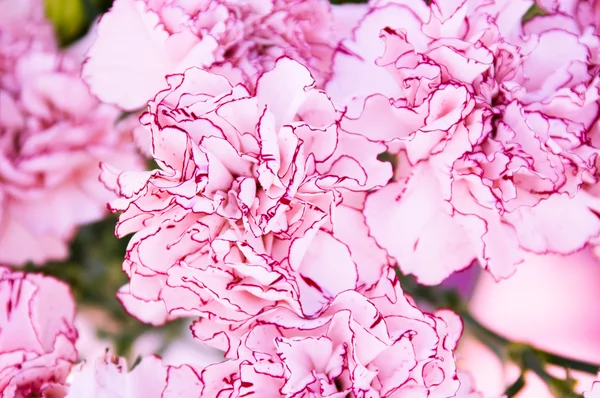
[
  {"x": 72, "y": 18},
  {"x": 389, "y": 158},
  {"x": 571, "y": 364},
  {"x": 534, "y": 11},
  {"x": 68, "y": 18},
  {"x": 136, "y": 362},
  {"x": 515, "y": 387}
]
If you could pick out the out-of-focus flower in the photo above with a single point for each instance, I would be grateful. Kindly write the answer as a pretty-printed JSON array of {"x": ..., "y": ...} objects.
[
  {"x": 37, "y": 337},
  {"x": 53, "y": 136},
  {"x": 550, "y": 303},
  {"x": 141, "y": 41},
  {"x": 380, "y": 346},
  {"x": 25, "y": 19},
  {"x": 109, "y": 376},
  {"x": 489, "y": 130},
  {"x": 257, "y": 201}
]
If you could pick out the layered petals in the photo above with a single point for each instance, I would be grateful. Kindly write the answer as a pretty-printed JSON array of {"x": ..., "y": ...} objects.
[
  {"x": 256, "y": 204},
  {"x": 139, "y": 42},
  {"x": 54, "y": 135},
  {"x": 491, "y": 134},
  {"x": 37, "y": 336},
  {"x": 109, "y": 376},
  {"x": 367, "y": 347}
]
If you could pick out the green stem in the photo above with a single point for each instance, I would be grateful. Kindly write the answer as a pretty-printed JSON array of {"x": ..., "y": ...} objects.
[
  {"x": 570, "y": 363},
  {"x": 529, "y": 358},
  {"x": 515, "y": 387},
  {"x": 492, "y": 338}
]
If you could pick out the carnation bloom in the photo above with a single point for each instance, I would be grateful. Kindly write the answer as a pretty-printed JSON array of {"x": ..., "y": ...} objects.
[
  {"x": 490, "y": 133},
  {"x": 53, "y": 136},
  {"x": 372, "y": 345},
  {"x": 37, "y": 336},
  {"x": 109, "y": 376},
  {"x": 141, "y": 41},
  {"x": 380, "y": 346},
  {"x": 256, "y": 202}
]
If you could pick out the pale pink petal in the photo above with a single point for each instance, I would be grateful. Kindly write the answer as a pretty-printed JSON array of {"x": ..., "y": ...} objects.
[
  {"x": 129, "y": 60},
  {"x": 109, "y": 376},
  {"x": 418, "y": 229}
]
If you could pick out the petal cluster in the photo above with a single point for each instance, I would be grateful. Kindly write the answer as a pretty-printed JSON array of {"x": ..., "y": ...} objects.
[
  {"x": 37, "y": 337},
  {"x": 380, "y": 346},
  {"x": 490, "y": 123},
  {"x": 271, "y": 216},
  {"x": 256, "y": 202},
  {"x": 53, "y": 134},
  {"x": 372, "y": 345},
  {"x": 109, "y": 376},
  {"x": 141, "y": 41}
]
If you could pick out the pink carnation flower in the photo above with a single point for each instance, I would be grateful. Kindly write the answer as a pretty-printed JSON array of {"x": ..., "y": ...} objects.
[
  {"x": 37, "y": 337},
  {"x": 108, "y": 376},
  {"x": 373, "y": 345},
  {"x": 54, "y": 134},
  {"x": 141, "y": 41},
  {"x": 257, "y": 201},
  {"x": 362, "y": 347},
  {"x": 490, "y": 132}
]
